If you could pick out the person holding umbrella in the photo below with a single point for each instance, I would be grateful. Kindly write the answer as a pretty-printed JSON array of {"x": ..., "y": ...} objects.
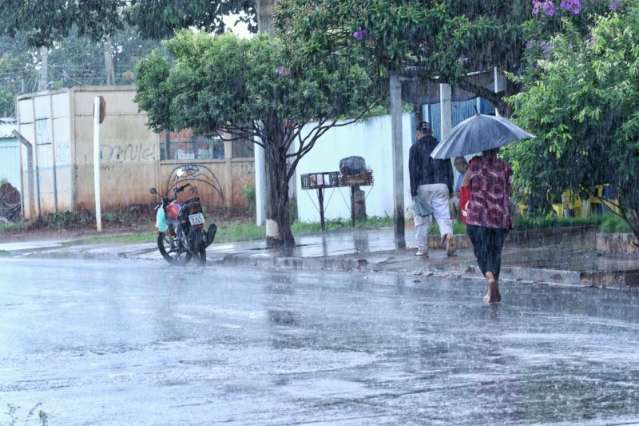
[
  {"x": 489, "y": 218},
  {"x": 431, "y": 183}
]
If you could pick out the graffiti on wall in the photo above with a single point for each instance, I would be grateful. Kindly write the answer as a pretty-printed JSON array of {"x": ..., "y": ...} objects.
[{"x": 132, "y": 152}]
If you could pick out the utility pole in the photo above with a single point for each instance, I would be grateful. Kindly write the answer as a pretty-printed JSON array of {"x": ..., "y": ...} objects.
[
  {"x": 498, "y": 85},
  {"x": 108, "y": 61},
  {"x": 98, "y": 117},
  {"x": 446, "y": 110},
  {"x": 398, "y": 159},
  {"x": 43, "y": 81}
]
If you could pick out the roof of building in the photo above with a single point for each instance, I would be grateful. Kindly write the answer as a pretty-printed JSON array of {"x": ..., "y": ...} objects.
[{"x": 7, "y": 126}]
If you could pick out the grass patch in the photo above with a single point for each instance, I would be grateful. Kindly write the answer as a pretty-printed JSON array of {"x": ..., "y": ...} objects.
[
  {"x": 614, "y": 225},
  {"x": 525, "y": 222},
  {"x": 133, "y": 238},
  {"x": 229, "y": 232},
  {"x": 12, "y": 227},
  {"x": 609, "y": 223},
  {"x": 303, "y": 228},
  {"x": 458, "y": 229},
  {"x": 238, "y": 231}
]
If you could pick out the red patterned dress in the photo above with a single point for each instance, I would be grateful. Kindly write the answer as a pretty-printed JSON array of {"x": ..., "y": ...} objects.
[{"x": 490, "y": 179}]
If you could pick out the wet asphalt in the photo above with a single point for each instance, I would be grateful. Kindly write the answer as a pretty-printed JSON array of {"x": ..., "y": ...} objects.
[{"x": 126, "y": 343}]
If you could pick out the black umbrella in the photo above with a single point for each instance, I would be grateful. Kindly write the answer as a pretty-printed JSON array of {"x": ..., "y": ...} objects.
[{"x": 479, "y": 133}]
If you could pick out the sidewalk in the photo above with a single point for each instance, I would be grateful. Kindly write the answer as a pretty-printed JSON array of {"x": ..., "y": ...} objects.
[{"x": 557, "y": 257}]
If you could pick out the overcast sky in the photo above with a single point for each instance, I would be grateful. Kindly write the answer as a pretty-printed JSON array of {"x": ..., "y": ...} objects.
[{"x": 241, "y": 29}]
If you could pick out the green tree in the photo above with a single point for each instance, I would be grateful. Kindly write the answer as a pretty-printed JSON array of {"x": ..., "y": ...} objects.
[
  {"x": 46, "y": 22},
  {"x": 253, "y": 89},
  {"x": 17, "y": 72},
  {"x": 160, "y": 19},
  {"x": 431, "y": 39},
  {"x": 584, "y": 109}
]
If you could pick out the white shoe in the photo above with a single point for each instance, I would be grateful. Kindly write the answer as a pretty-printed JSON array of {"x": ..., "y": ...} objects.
[{"x": 421, "y": 252}]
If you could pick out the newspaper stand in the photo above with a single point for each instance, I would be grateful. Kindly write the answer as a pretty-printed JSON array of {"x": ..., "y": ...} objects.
[{"x": 323, "y": 180}]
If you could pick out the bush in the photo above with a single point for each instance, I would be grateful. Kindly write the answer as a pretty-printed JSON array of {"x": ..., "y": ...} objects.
[
  {"x": 613, "y": 225},
  {"x": 249, "y": 194},
  {"x": 551, "y": 221}
]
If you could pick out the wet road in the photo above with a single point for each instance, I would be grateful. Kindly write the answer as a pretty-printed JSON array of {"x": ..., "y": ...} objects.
[{"x": 144, "y": 344}]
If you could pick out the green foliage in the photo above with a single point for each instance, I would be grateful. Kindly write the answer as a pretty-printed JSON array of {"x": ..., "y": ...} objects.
[
  {"x": 221, "y": 83},
  {"x": 45, "y": 22},
  {"x": 608, "y": 223},
  {"x": 552, "y": 221},
  {"x": 458, "y": 229},
  {"x": 446, "y": 39},
  {"x": 68, "y": 220},
  {"x": 74, "y": 60},
  {"x": 249, "y": 195},
  {"x": 253, "y": 88},
  {"x": 614, "y": 225},
  {"x": 16, "y": 70},
  {"x": 13, "y": 227},
  {"x": 583, "y": 110},
  {"x": 7, "y": 102},
  {"x": 160, "y": 19}
]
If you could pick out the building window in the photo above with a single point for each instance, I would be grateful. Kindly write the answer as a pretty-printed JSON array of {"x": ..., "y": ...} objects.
[{"x": 184, "y": 145}]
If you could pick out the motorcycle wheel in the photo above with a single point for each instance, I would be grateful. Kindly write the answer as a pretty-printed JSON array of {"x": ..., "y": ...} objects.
[
  {"x": 198, "y": 241},
  {"x": 202, "y": 255},
  {"x": 166, "y": 248}
]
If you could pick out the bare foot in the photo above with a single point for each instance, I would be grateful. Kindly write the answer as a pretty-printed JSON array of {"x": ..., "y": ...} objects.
[{"x": 492, "y": 294}]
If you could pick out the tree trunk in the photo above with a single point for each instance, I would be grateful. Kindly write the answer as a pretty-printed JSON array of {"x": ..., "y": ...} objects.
[
  {"x": 629, "y": 206},
  {"x": 278, "y": 231},
  {"x": 264, "y": 10},
  {"x": 278, "y": 221},
  {"x": 633, "y": 220}
]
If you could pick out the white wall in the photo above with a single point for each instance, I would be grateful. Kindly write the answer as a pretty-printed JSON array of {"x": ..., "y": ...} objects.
[
  {"x": 370, "y": 139},
  {"x": 10, "y": 162}
]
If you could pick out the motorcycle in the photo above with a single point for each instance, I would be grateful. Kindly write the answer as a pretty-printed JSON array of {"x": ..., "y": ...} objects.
[{"x": 181, "y": 233}]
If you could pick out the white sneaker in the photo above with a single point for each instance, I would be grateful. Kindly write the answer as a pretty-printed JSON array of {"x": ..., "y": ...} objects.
[{"x": 421, "y": 252}]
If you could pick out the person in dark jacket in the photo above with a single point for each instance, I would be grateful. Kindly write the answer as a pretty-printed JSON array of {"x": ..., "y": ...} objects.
[{"x": 431, "y": 183}]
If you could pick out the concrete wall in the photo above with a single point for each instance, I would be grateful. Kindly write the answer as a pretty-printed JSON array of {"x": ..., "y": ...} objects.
[
  {"x": 370, "y": 139},
  {"x": 60, "y": 125},
  {"x": 129, "y": 150},
  {"x": 229, "y": 179},
  {"x": 44, "y": 119},
  {"x": 242, "y": 176}
]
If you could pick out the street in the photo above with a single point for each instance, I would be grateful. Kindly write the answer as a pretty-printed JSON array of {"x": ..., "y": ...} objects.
[{"x": 141, "y": 343}]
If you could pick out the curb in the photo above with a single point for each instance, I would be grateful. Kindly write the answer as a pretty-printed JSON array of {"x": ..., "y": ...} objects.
[
  {"x": 465, "y": 269},
  {"x": 613, "y": 279}
]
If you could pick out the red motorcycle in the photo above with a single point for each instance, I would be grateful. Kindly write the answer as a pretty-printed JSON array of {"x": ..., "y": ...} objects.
[{"x": 181, "y": 231}]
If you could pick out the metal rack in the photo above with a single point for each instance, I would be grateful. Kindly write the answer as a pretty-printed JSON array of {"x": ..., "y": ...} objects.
[{"x": 323, "y": 180}]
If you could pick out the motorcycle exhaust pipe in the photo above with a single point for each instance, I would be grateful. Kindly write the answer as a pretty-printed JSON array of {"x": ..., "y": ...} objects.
[{"x": 210, "y": 234}]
